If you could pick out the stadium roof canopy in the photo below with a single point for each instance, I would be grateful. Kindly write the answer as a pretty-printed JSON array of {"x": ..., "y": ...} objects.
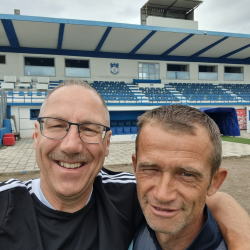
[
  {"x": 181, "y": 6},
  {"x": 51, "y": 36}
]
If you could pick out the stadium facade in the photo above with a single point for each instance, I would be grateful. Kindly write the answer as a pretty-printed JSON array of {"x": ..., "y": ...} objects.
[{"x": 165, "y": 60}]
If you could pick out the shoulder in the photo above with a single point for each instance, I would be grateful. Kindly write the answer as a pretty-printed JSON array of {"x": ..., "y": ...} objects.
[
  {"x": 14, "y": 194},
  {"x": 15, "y": 184},
  {"x": 123, "y": 178}
]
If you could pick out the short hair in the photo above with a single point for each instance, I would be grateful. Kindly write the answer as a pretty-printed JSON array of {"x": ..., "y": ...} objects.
[
  {"x": 183, "y": 119},
  {"x": 80, "y": 83}
]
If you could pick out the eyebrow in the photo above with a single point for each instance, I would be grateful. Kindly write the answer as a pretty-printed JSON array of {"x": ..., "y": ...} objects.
[
  {"x": 56, "y": 116},
  {"x": 190, "y": 170},
  {"x": 147, "y": 165}
]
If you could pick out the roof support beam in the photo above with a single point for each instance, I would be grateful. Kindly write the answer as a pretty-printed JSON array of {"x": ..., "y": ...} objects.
[
  {"x": 103, "y": 39},
  {"x": 142, "y": 42},
  {"x": 177, "y": 45},
  {"x": 60, "y": 36},
  {"x": 11, "y": 33},
  {"x": 209, "y": 47},
  {"x": 169, "y": 7},
  {"x": 234, "y": 52},
  {"x": 109, "y": 55}
]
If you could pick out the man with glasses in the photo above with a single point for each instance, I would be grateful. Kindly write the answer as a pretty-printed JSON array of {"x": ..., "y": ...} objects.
[{"x": 77, "y": 204}]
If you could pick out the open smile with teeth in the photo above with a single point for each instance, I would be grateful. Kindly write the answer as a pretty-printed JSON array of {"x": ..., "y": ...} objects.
[{"x": 68, "y": 165}]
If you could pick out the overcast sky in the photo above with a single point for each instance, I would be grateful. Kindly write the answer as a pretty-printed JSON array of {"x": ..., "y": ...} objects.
[{"x": 214, "y": 15}]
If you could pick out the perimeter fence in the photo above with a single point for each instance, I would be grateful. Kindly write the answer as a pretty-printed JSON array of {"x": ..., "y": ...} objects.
[{"x": 3, "y": 107}]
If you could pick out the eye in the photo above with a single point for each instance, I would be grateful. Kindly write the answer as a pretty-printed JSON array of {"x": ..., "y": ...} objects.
[{"x": 186, "y": 174}]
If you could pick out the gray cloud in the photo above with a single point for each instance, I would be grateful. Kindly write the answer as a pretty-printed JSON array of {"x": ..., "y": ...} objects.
[{"x": 224, "y": 15}]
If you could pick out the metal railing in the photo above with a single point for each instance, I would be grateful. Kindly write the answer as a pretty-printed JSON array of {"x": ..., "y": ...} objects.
[
  {"x": 132, "y": 99},
  {"x": 38, "y": 97},
  {"x": 3, "y": 107}
]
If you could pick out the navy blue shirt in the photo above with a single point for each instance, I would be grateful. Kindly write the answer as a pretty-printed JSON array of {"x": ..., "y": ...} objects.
[{"x": 209, "y": 237}]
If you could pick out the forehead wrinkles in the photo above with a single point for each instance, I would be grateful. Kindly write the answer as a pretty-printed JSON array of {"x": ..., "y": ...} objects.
[{"x": 192, "y": 149}]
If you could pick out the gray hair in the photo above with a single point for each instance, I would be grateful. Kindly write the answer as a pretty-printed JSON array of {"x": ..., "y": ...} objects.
[
  {"x": 80, "y": 83},
  {"x": 182, "y": 119}
]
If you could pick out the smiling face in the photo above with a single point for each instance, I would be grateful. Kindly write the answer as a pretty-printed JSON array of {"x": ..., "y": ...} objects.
[
  {"x": 173, "y": 175},
  {"x": 69, "y": 166}
]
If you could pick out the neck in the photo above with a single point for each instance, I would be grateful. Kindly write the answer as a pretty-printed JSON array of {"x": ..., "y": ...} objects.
[
  {"x": 69, "y": 204},
  {"x": 183, "y": 238}
]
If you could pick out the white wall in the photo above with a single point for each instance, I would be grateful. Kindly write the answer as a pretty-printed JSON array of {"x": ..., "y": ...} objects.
[
  {"x": 100, "y": 69},
  {"x": 171, "y": 22},
  {"x": 24, "y": 124}
]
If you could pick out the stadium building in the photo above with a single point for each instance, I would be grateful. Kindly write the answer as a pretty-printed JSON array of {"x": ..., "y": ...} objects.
[{"x": 165, "y": 60}]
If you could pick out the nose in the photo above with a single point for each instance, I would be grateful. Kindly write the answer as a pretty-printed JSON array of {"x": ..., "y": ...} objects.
[
  {"x": 71, "y": 143},
  {"x": 165, "y": 189}
]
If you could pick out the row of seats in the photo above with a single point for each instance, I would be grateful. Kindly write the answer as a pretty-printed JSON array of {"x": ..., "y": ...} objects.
[
  {"x": 123, "y": 123},
  {"x": 189, "y": 84},
  {"x": 29, "y": 93},
  {"x": 109, "y": 82},
  {"x": 118, "y": 98},
  {"x": 158, "y": 94},
  {"x": 239, "y": 89},
  {"x": 113, "y": 91},
  {"x": 203, "y": 92},
  {"x": 220, "y": 98},
  {"x": 124, "y": 130},
  {"x": 167, "y": 98}
]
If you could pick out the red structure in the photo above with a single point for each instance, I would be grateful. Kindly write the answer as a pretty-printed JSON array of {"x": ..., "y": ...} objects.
[{"x": 9, "y": 139}]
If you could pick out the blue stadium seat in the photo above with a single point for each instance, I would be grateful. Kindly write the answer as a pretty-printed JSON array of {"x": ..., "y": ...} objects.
[
  {"x": 119, "y": 130},
  {"x": 21, "y": 93},
  {"x": 29, "y": 93},
  {"x": 134, "y": 123},
  {"x": 120, "y": 123},
  {"x": 126, "y": 130},
  {"x": 134, "y": 129},
  {"x": 113, "y": 123},
  {"x": 113, "y": 129},
  {"x": 128, "y": 123},
  {"x": 39, "y": 93}
]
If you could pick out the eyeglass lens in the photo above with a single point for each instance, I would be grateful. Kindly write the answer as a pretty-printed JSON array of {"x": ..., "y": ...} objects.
[{"x": 57, "y": 129}]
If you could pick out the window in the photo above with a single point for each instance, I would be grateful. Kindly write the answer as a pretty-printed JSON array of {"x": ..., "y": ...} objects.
[
  {"x": 34, "y": 114},
  {"x": 233, "y": 74},
  {"x": 208, "y": 72},
  {"x": 2, "y": 59},
  {"x": 149, "y": 71},
  {"x": 77, "y": 68},
  {"x": 35, "y": 66},
  {"x": 178, "y": 71}
]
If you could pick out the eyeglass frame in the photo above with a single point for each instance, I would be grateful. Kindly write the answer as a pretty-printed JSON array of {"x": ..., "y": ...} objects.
[{"x": 106, "y": 128}]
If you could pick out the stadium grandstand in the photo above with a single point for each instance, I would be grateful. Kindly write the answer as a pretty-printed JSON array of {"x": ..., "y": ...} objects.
[{"x": 165, "y": 60}]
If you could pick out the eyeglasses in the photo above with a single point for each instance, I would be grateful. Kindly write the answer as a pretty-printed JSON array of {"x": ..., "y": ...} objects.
[{"x": 56, "y": 128}]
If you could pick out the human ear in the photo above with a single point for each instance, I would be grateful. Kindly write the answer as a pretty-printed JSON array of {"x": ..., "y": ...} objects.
[
  {"x": 108, "y": 142},
  {"x": 217, "y": 179},
  {"x": 134, "y": 161},
  {"x": 35, "y": 135}
]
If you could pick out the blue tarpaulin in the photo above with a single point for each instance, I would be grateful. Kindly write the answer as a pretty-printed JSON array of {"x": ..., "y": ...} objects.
[{"x": 225, "y": 118}]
